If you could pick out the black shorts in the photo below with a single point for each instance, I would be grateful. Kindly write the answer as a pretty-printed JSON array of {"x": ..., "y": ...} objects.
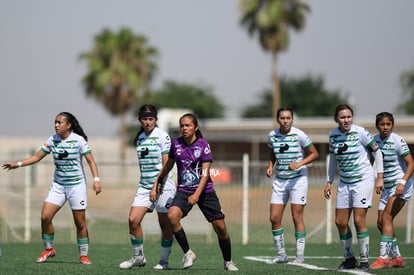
[{"x": 207, "y": 202}]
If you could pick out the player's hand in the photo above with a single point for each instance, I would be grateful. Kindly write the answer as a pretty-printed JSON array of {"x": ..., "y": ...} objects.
[
  {"x": 379, "y": 186},
  {"x": 269, "y": 172},
  {"x": 193, "y": 199},
  {"x": 97, "y": 187},
  {"x": 9, "y": 165},
  {"x": 153, "y": 195},
  {"x": 327, "y": 192}
]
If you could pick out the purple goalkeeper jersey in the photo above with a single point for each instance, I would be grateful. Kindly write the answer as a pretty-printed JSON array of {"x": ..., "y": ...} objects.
[{"x": 189, "y": 160}]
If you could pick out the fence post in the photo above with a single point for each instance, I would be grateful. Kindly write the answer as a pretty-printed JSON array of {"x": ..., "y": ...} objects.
[
  {"x": 409, "y": 222},
  {"x": 328, "y": 238},
  {"x": 245, "y": 218},
  {"x": 27, "y": 202}
]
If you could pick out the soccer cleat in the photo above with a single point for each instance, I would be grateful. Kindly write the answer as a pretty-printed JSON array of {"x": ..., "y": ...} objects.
[
  {"x": 279, "y": 259},
  {"x": 349, "y": 263},
  {"x": 51, "y": 252},
  {"x": 397, "y": 262},
  {"x": 84, "y": 260},
  {"x": 364, "y": 266},
  {"x": 299, "y": 260},
  {"x": 134, "y": 261},
  {"x": 380, "y": 263},
  {"x": 189, "y": 258},
  {"x": 230, "y": 266},
  {"x": 161, "y": 266}
]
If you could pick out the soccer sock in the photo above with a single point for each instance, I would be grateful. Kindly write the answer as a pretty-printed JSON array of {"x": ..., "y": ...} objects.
[
  {"x": 225, "y": 246},
  {"x": 346, "y": 242},
  {"x": 48, "y": 240},
  {"x": 83, "y": 245},
  {"x": 166, "y": 246},
  {"x": 279, "y": 241},
  {"x": 300, "y": 243},
  {"x": 385, "y": 246},
  {"x": 363, "y": 244},
  {"x": 395, "y": 251},
  {"x": 137, "y": 245},
  {"x": 182, "y": 240}
]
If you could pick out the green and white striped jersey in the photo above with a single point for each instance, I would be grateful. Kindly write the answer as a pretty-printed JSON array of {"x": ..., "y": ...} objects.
[
  {"x": 67, "y": 156},
  {"x": 288, "y": 148},
  {"x": 394, "y": 149},
  {"x": 150, "y": 150},
  {"x": 352, "y": 153}
]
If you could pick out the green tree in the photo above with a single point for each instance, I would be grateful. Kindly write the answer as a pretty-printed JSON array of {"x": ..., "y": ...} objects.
[
  {"x": 120, "y": 66},
  {"x": 198, "y": 98},
  {"x": 271, "y": 20},
  {"x": 407, "y": 83},
  {"x": 307, "y": 96}
]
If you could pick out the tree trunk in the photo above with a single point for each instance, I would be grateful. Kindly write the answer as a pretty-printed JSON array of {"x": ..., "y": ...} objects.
[
  {"x": 123, "y": 135},
  {"x": 276, "y": 87}
]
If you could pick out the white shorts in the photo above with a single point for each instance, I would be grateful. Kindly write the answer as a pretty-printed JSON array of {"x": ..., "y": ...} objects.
[
  {"x": 142, "y": 198},
  {"x": 296, "y": 189},
  {"x": 74, "y": 194},
  {"x": 387, "y": 193},
  {"x": 357, "y": 195}
]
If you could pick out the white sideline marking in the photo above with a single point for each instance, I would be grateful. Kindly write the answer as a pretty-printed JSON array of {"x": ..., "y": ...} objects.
[{"x": 267, "y": 259}]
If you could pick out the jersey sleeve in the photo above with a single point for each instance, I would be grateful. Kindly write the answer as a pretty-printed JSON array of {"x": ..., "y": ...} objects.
[
  {"x": 46, "y": 147},
  {"x": 165, "y": 144},
  {"x": 368, "y": 140},
  {"x": 402, "y": 147},
  {"x": 206, "y": 155},
  {"x": 305, "y": 140},
  {"x": 84, "y": 146}
]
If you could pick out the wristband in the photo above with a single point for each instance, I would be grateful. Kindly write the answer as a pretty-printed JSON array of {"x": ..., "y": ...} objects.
[
  {"x": 403, "y": 181},
  {"x": 96, "y": 179},
  {"x": 19, "y": 164}
]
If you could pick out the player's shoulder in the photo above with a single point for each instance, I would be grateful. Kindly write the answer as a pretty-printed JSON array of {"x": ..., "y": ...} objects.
[
  {"x": 296, "y": 130},
  {"x": 161, "y": 133}
]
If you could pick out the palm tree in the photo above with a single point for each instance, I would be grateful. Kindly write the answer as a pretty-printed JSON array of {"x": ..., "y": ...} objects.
[
  {"x": 271, "y": 19},
  {"x": 120, "y": 66}
]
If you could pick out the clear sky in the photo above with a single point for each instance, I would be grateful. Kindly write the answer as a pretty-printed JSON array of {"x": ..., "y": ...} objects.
[{"x": 360, "y": 47}]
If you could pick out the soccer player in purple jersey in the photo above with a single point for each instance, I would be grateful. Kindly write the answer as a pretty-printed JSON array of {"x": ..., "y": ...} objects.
[{"x": 192, "y": 155}]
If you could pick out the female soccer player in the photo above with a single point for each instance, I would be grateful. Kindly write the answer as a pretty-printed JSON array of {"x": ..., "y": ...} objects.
[
  {"x": 350, "y": 147},
  {"x": 67, "y": 146},
  {"x": 398, "y": 188},
  {"x": 152, "y": 145},
  {"x": 192, "y": 155},
  {"x": 287, "y": 146}
]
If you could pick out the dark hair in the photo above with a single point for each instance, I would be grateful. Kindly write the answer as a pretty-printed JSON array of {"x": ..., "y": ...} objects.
[
  {"x": 75, "y": 126},
  {"x": 380, "y": 116},
  {"x": 195, "y": 121},
  {"x": 146, "y": 110},
  {"x": 341, "y": 107},
  {"x": 282, "y": 110}
]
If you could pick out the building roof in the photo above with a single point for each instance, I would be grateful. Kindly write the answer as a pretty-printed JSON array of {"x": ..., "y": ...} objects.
[{"x": 255, "y": 130}]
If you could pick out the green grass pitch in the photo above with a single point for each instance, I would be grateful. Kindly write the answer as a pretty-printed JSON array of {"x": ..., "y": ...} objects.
[{"x": 20, "y": 258}]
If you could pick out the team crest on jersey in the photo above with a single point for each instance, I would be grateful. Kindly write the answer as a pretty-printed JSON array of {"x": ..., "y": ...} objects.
[
  {"x": 154, "y": 140},
  {"x": 197, "y": 153},
  {"x": 388, "y": 145},
  {"x": 71, "y": 143},
  {"x": 352, "y": 136},
  {"x": 293, "y": 137}
]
